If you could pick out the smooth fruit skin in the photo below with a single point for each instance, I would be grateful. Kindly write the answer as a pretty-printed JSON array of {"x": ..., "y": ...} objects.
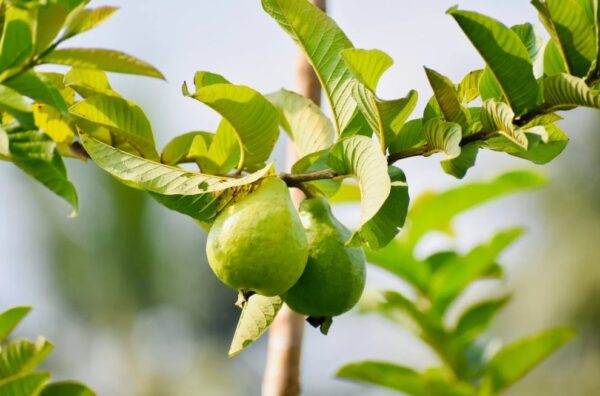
[
  {"x": 334, "y": 278},
  {"x": 258, "y": 243}
]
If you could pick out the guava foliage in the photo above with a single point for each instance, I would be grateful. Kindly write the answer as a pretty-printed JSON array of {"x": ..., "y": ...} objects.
[
  {"x": 19, "y": 360},
  {"x": 436, "y": 283}
]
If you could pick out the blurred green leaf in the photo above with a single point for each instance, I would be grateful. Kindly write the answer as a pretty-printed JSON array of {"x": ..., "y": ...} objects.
[
  {"x": 257, "y": 315},
  {"x": 10, "y": 318},
  {"x": 20, "y": 357},
  {"x": 102, "y": 59},
  {"x": 24, "y": 385},
  {"x": 515, "y": 360},
  {"x": 505, "y": 55},
  {"x": 305, "y": 123},
  {"x": 399, "y": 260},
  {"x": 385, "y": 374},
  {"x": 67, "y": 388},
  {"x": 85, "y": 19},
  {"x": 17, "y": 42},
  {"x": 124, "y": 119},
  {"x": 476, "y": 319}
]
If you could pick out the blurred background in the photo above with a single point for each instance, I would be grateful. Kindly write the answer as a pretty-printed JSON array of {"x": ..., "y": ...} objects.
[{"x": 124, "y": 290}]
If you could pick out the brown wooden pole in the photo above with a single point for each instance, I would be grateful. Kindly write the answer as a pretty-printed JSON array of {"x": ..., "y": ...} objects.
[{"x": 282, "y": 372}]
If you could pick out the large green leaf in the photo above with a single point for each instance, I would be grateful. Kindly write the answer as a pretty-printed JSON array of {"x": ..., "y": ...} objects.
[
  {"x": 102, "y": 59},
  {"x": 37, "y": 156},
  {"x": 359, "y": 156},
  {"x": 386, "y": 117},
  {"x": 505, "y": 55},
  {"x": 10, "y": 318},
  {"x": 85, "y": 19},
  {"x": 124, "y": 119},
  {"x": 515, "y": 360},
  {"x": 39, "y": 88},
  {"x": 253, "y": 118},
  {"x": 67, "y": 388},
  {"x": 385, "y": 374},
  {"x": 447, "y": 98},
  {"x": 191, "y": 193},
  {"x": 567, "y": 23},
  {"x": 322, "y": 41},
  {"x": 305, "y": 123},
  {"x": 24, "y": 385},
  {"x": 257, "y": 315},
  {"x": 566, "y": 91},
  {"x": 385, "y": 225},
  {"x": 17, "y": 41},
  {"x": 498, "y": 117},
  {"x": 21, "y": 357}
]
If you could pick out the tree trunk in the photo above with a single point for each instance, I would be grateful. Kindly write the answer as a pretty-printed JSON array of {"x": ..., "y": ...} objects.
[{"x": 282, "y": 372}]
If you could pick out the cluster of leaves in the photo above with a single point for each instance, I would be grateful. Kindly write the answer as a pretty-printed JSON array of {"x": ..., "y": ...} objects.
[
  {"x": 47, "y": 116},
  {"x": 20, "y": 358},
  {"x": 469, "y": 365}
]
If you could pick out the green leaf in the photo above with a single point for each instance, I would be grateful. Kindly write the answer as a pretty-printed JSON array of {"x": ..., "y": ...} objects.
[
  {"x": 253, "y": 118},
  {"x": 553, "y": 60},
  {"x": 67, "y": 388},
  {"x": 498, "y": 117},
  {"x": 50, "y": 21},
  {"x": 567, "y": 23},
  {"x": 39, "y": 88},
  {"x": 458, "y": 166},
  {"x": 386, "y": 117},
  {"x": 359, "y": 156},
  {"x": 565, "y": 91},
  {"x": 14, "y": 104},
  {"x": 450, "y": 280},
  {"x": 530, "y": 39},
  {"x": 489, "y": 87},
  {"x": 435, "y": 211},
  {"x": 538, "y": 152},
  {"x": 124, "y": 119},
  {"x": 305, "y": 123},
  {"x": 385, "y": 225},
  {"x": 17, "y": 43},
  {"x": 384, "y": 374},
  {"x": 85, "y": 19},
  {"x": 195, "y": 194},
  {"x": 505, "y": 55},
  {"x": 447, "y": 98},
  {"x": 53, "y": 123},
  {"x": 322, "y": 41},
  {"x": 476, "y": 319},
  {"x": 101, "y": 59},
  {"x": 257, "y": 315},
  {"x": 515, "y": 360},
  {"x": 442, "y": 137},
  {"x": 468, "y": 89},
  {"x": 9, "y": 319},
  {"x": 24, "y": 385},
  {"x": 411, "y": 135},
  {"x": 316, "y": 162},
  {"x": 37, "y": 156},
  {"x": 88, "y": 82},
  {"x": 178, "y": 149},
  {"x": 21, "y": 357}
]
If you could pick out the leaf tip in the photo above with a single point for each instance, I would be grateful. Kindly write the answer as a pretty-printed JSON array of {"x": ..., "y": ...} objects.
[{"x": 452, "y": 10}]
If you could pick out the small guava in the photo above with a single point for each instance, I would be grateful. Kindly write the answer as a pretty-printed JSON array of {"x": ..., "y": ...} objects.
[
  {"x": 334, "y": 278},
  {"x": 258, "y": 243}
]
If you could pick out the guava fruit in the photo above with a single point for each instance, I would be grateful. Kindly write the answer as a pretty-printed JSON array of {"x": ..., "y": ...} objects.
[
  {"x": 334, "y": 277},
  {"x": 258, "y": 243}
]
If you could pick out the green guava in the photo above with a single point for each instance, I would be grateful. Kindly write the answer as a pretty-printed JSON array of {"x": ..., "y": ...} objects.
[
  {"x": 334, "y": 278},
  {"x": 258, "y": 243}
]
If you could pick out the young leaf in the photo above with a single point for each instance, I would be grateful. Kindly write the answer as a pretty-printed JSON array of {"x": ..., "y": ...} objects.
[
  {"x": 515, "y": 360},
  {"x": 359, "y": 156},
  {"x": 257, "y": 315},
  {"x": 17, "y": 40},
  {"x": 498, "y": 117},
  {"x": 124, "y": 119},
  {"x": 567, "y": 23},
  {"x": 505, "y": 55},
  {"x": 385, "y": 374},
  {"x": 10, "y": 319},
  {"x": 67, "y": 388},
  {"x": 565, "y": 91},
  {"x": 101, "y": 59},
  {"x": 36, "y": 155},
  {"x": 37, "y": 87},
  {"x": 305, "y": 123},
  {"x": 85, "y": 19},
  {"x": 322, "y": 41},
  {"x": 468, "y": 89},
  {"x": 385, "y": 225},
  {"x": 447, "y": 98},
  {"x": 442, "y": 136},
  {"x": 386, "y": 117},
  {"x": 253, "y": 118},
  {"x": 25, "y": 384}
]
